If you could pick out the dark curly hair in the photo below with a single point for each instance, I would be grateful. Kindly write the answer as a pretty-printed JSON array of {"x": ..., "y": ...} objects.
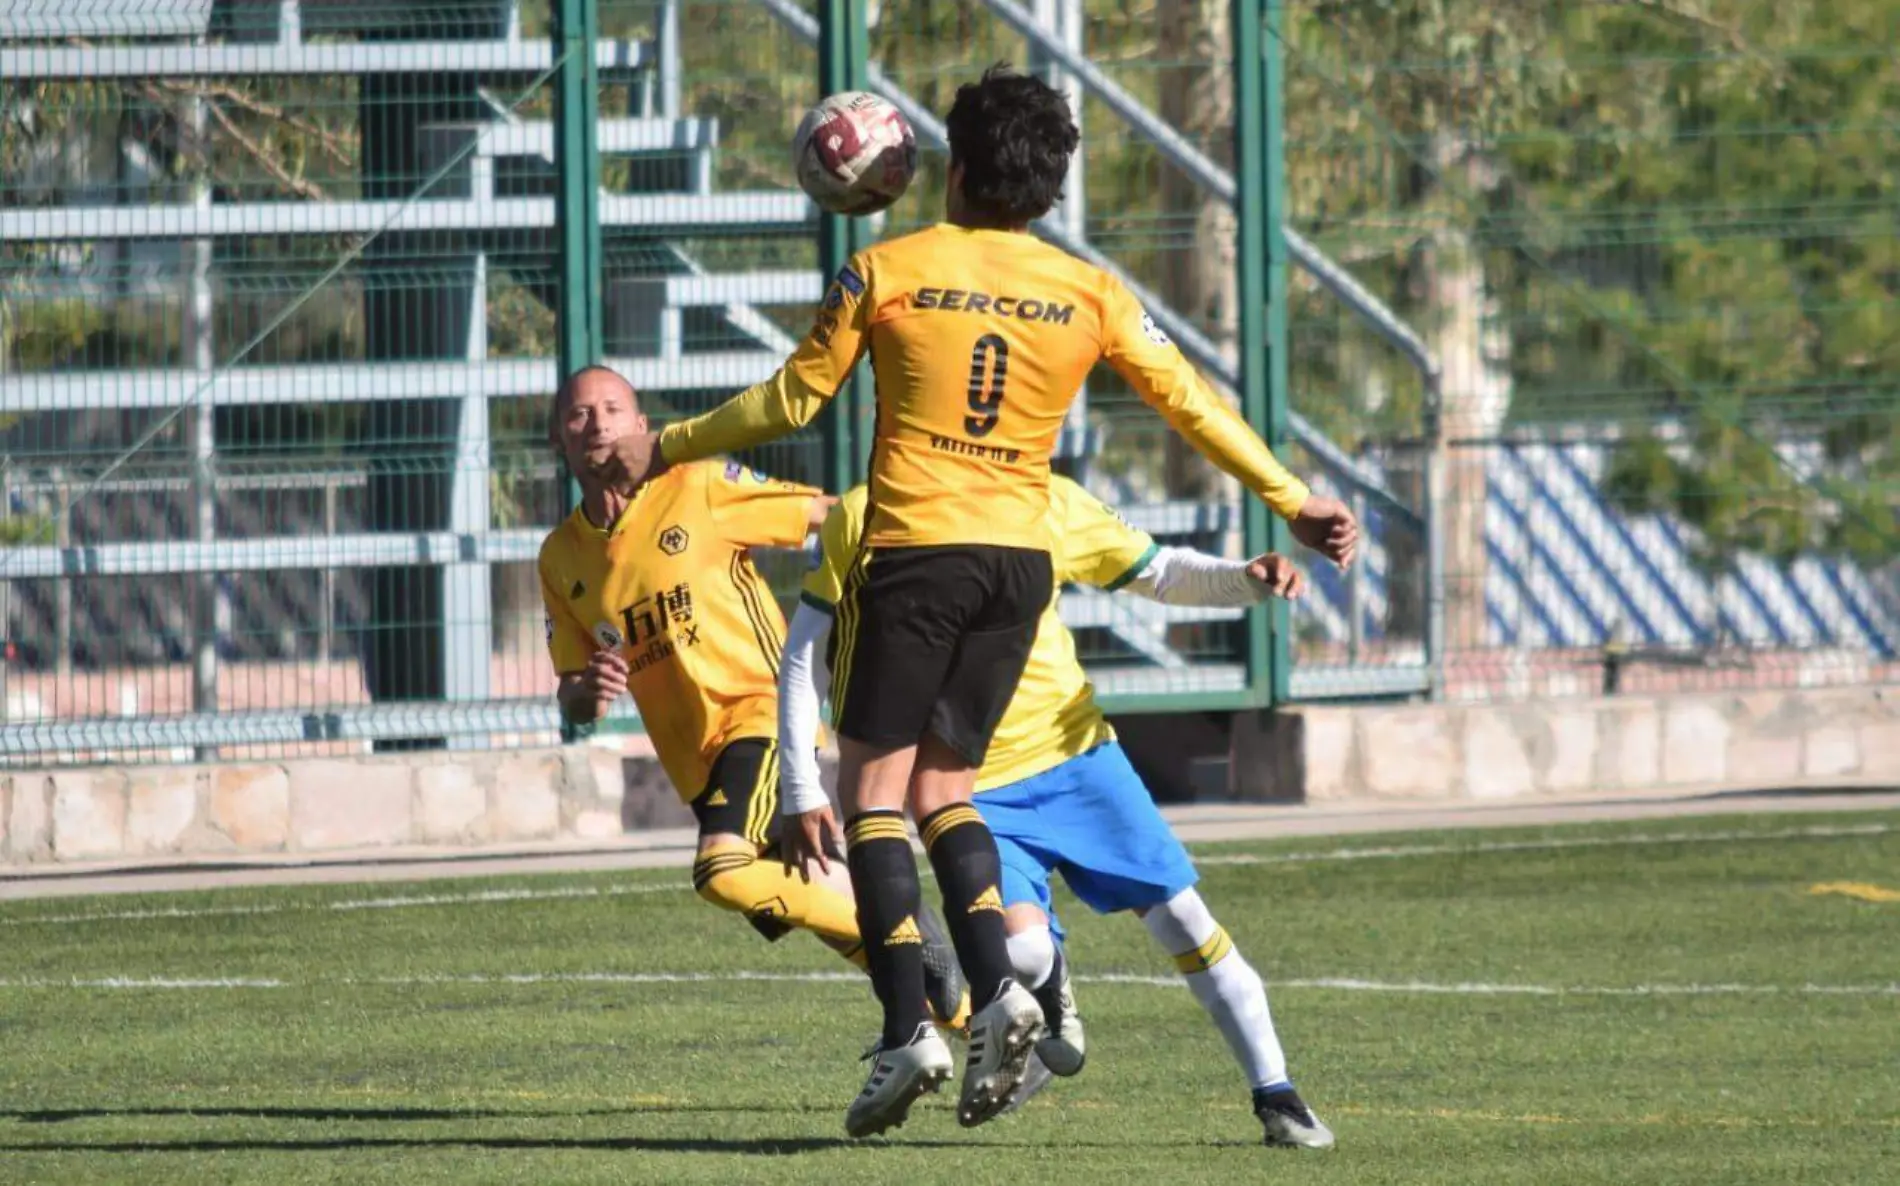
[{"x": 1013, "y": 135}]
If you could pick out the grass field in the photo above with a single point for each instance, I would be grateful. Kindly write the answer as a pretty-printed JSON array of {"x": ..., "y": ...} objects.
[{"x": 1636, "y": 1003}]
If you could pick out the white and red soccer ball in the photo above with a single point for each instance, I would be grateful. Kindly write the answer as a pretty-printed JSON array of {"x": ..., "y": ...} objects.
[{"x": 854, "y": 153}]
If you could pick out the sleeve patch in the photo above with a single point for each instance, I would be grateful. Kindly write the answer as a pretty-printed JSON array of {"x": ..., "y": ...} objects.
[
  {"x": 733, "y": 470},
  {"x": 850, "y": 281},
  {"x": 1155, "y": 333}
]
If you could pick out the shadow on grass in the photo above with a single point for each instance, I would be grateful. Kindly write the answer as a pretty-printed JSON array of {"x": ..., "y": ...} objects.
[
  {"x": 763, "y": 1146},
  {"x": 377, "y": 1115}
]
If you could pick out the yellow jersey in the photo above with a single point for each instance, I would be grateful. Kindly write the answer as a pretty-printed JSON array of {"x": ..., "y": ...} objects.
[
  {"x": 979, "y": 340},
  {"x": 1053, "y": 716},
  {"x": 671, "y": 585}
]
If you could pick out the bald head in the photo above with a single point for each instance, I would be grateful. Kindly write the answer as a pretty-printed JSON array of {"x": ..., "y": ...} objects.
[
  {"x": 592, "y": 377},
  {"x": 593, "y": 408}
]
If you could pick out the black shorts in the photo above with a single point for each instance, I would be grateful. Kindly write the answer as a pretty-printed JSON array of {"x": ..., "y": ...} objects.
[
  {"x": 934, "y": 640},
  {"x": 741, "y": 795}
]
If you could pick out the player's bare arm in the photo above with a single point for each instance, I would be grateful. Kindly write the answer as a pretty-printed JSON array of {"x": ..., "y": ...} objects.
[
  {"x": 1277, "y": 575},
  {"x": 586, "y": 696},
  {"x": 806, "y": 838},
  {"x": 1328, "y": 526},
  {"x": 820, "y": 510}
]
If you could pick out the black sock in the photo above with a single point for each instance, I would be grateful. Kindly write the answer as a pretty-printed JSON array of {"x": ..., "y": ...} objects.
[
  {"x": 1053, "y": 985},
  {"x": 969, "y": 872},
  {"x": 1279, "y": 1099},
  {"x": 884, "y": 882}
]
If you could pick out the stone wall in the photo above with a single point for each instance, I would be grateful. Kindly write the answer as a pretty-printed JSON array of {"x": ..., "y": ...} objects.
[
  {"x": 1730, "y": 741},
  {"x": 1617, "y": 746},
  {"x": 110, "y": 813}
]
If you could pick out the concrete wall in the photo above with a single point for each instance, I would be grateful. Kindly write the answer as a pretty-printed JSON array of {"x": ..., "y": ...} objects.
[
  {"x": 1727, "y": 741},
  {"x": 108, "y": 813},
  {"x": 1733, "y": 741}
]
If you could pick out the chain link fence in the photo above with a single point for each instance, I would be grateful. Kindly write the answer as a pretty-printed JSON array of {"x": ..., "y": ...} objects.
[{"x": 279, "y": 297}]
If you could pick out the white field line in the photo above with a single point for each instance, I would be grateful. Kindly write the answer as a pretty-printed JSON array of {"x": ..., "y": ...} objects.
[
  {"x": 1324, "y": 984},
  {"x": 1634, "y": 840},
  {"x": 401, "y": 902}
]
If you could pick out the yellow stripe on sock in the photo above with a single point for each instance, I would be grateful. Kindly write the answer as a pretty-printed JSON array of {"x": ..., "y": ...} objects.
[
  {"x": 875, "y": 827},
  {"x": 867, "y": 835},
  {"x": 948, "y": 818},
  {"x": 1218, "y": 947},
  {"x": 709, "y": 867}
]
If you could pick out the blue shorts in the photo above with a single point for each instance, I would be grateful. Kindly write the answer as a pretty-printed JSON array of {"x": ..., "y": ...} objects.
[{"x": 1092, "y": 820}]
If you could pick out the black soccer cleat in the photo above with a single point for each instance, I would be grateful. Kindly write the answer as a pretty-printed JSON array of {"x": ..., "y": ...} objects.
[
  {"x": 945, "y": 990},
  {"x": 1063, "y": 1047},
  {"x": 1289, "y": 1123}
]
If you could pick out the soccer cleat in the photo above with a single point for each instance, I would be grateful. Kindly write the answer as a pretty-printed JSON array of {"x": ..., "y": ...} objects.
[
  {"x": 945, "y": 992},
  {"x": 1036, "y": 1076},
  {"x": 1062, "y": 1048},
  {"x": 1003, "y": 1035},
  {"x": 897, "y": 1078},
  {"x": 1288, "y": 1121}
]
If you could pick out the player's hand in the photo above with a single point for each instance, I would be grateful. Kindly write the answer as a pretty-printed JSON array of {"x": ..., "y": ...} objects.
[
  {"x": 1327, "y": 526},
  {"x": 806, "y": 839},
  {"x": 604, "y": 680},
  {"x": 632, "y": 460},
  {"x": 1278, "y": 575}
]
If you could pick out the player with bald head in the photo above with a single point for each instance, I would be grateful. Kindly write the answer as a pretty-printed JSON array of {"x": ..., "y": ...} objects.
[{"x": 652, "y": 593}]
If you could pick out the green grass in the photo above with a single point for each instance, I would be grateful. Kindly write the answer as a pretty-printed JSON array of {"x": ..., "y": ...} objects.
[{"x": 371, "y": 1062}]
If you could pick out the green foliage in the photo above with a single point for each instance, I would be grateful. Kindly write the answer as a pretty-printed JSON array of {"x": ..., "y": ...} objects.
[
  {"x": 27, "y": 529},
  {"x": 1684, "y": 213},
  {"x": 1686, "y": 221}
]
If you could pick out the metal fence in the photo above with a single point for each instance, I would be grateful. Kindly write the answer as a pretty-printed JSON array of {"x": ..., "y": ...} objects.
[
  {"x": 1581, "y": 306},
  {"x": 1652, "y": 252}
]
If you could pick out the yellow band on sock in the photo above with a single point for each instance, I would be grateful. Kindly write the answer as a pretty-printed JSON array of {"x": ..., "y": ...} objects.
[
  {"x": 881, "y": 826},
  {"x": 721, "y": 858},
  {"x": 941, "y": 822},
  {"x": 1218, "y": 947}
]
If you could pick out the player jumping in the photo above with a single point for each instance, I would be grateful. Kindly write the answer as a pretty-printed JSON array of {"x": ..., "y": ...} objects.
[
  {"x": 979, "y": 336},
  {"x": 656, "y": 595},
  {"x": 1058, "y": 793}
]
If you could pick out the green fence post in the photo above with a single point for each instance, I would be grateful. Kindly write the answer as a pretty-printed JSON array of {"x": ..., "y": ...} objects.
[
  {"x": 1261, "y": 248},
  {"x": 577, "y": 195},
  {"x": 844, "y": 52},
  {"x": 1279, "y": 265},
  {"x": 577, "y": 312}
]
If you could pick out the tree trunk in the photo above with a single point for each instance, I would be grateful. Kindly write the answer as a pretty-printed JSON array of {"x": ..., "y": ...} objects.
[
  {"x": 1473, "y": 348},
  {"x": 1195, "y": 47}
]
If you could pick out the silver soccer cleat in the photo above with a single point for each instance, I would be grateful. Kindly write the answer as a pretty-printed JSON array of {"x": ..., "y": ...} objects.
[
  {"x": 1002, "y": 1037},
  {"x": 1036, "y": 1076},
  {"x": 897, "y": 1078},
  {"x": 1290, "y": 1123}
]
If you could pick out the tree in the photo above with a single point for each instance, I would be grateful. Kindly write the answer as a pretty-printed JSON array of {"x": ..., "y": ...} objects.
[{"x": 1674, "y": 224}]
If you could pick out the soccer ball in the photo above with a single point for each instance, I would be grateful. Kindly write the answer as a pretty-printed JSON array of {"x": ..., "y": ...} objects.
[{"x": 854, "y": 153}]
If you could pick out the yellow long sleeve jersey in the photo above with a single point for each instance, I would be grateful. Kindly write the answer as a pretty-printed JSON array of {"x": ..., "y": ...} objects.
[
  {"x": 978, "y": 342},
  {"x": 671, "y": 586}
]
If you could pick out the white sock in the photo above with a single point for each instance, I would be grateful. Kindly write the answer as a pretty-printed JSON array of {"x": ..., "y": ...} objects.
[
  {"x": 1224, "y": 983},
  {"x": 1032, "y": 953}
]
